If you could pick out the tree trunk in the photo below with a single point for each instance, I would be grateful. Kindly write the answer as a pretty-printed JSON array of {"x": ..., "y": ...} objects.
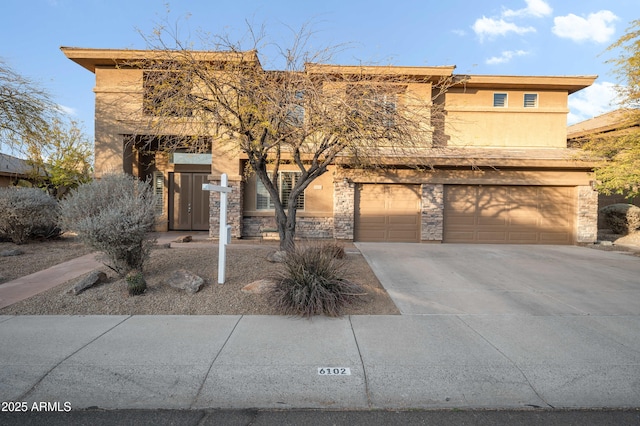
[{"x": 287, "y": 231}]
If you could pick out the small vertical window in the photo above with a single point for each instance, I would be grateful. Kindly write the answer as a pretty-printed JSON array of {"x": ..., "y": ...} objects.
[
  {"x": 500, "y": 100},
  {"x": 158, "y": 190},
  {"x": 530, "y": 100}
]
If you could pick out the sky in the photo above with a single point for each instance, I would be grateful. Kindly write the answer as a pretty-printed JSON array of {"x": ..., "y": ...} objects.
[{"x": 487, "y": 37}]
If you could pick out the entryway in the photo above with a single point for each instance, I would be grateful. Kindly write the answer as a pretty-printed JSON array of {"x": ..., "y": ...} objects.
[{"x": 188, "y": 203}]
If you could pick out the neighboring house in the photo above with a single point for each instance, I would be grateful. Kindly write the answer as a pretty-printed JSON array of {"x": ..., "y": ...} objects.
[
  {"x": 611, "y": 123},
  {"x": 13, "y": 169},
  {"x": 505, "y": 174}
]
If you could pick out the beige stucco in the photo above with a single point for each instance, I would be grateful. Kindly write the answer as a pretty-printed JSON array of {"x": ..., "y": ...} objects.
[{"x": 477, "y": 144}]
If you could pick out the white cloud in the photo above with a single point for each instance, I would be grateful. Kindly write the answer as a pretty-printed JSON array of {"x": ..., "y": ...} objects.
[
  {"x": 592, "y": 101},
  {"x": 460, "y": 33},
  {"x": 68, "y": 110},
  {"x": 597, "y": 26},
  {"x": 537, "y": 8},
  {"x": 505, "y": 57},
  {"x": 497, "y": 27}
]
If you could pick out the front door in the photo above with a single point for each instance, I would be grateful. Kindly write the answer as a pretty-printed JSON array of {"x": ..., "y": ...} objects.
[{"x": 188, "y": 203}]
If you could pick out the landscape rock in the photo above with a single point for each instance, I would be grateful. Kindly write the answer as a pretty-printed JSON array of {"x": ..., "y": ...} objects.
[
  {"x": 94, "y": 277},
  {"x": 185, "y": 280},
  {"x": 277, "y": 256},
  {"x": 258, "y": 287},
  {"x": 11, "y": 252},
  {"x": 184, "y": 239}
]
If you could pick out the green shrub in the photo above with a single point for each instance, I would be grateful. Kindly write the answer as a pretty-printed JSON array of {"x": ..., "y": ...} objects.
[
  {"x": 115, "y": 215},
  {"x": 136, "y": 284},
  {"x": 622, "y": 218},
  {"x": 312, "y": 283},
  {"x": 27, "y": 213}
]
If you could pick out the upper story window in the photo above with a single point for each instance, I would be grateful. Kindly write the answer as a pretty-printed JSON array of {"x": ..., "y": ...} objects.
[
  {"x": 295, "y": 109},
  {"x": 500, "y": 100},
  {"x": 530, "y": 100},
  {"x": 286, "y": 182},
  {"x": 166, "y": 93},
  {"x": 377, "y": 104}
]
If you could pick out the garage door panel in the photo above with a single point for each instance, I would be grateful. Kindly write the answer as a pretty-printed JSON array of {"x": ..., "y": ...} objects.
[
  {"x": 509, "y": 214},
  {"x": 525, "y": 237},
  {"x": 496, "y": 220},
  {"x": 403, "y": 220},
  {"x": 387, "y": 212},
  {"x": 373, "y": 220}
]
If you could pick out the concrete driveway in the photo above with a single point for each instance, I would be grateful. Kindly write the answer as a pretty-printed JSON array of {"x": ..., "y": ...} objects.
[
  {"x": 563, "y": 321},
  {"x": 523, "y": 280}
]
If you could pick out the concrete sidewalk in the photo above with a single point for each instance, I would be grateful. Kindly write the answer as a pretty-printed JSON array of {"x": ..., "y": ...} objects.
[{"x": 188, "y": 362}]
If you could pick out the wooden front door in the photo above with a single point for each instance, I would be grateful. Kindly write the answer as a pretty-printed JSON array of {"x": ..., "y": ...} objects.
[{"x": 188, "y": 203}]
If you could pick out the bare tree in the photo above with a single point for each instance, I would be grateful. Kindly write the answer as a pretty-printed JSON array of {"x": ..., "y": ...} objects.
[
  {"x": 308, "y": 113},
  {"x": 26, "y": 109}
]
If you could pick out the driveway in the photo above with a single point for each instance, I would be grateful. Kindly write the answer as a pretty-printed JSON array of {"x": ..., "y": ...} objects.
[{"x": 459, "y": 279}]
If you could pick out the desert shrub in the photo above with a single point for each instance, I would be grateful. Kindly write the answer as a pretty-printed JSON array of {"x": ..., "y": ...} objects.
[
  {"x": 136, "y": 284},
  {"x": 114, "y": 215},
  {"x": 622, "y": 218},
  {"x": 27, "y": 213},
  {"x": 330, "y": 249},
  {"x": 312, "y": 283}
]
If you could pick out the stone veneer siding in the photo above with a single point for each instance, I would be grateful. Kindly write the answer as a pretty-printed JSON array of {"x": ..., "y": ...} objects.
[
  {"x": 432, "y": 212},
  {"x": 306, "y": 227},
  {"x": 587, "y": 226},
  {"x": 344, "y": 198},
  {"x": 234, "y": 207}
]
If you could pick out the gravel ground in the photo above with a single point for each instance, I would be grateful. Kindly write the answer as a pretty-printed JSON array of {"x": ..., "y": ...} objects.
[
  {"x": 38, "y": 255},
  {"x": 245, "y": 264}
]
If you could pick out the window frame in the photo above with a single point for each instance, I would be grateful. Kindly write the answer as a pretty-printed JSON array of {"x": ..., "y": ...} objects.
[
  {"x": 261, "y": 191},
  {"x": 524, "y": 100},
  {"x": 504, "y": 103}
]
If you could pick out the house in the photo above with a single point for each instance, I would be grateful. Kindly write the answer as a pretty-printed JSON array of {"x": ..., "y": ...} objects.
[
  {"x": 614, "y": 122},
  {"x": 503, "y": 175},
  {"x": 13, "y": 169}
]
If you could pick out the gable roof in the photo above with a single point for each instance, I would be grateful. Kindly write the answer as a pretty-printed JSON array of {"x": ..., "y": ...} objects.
[
  {"x": 13, "y": 166},
  {"x": 618, "y": 119}
]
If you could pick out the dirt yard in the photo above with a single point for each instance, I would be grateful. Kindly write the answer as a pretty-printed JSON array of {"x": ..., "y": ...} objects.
[{"x": 245, "y": 263}]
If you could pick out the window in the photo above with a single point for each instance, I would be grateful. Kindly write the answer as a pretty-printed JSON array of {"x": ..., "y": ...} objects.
[
  {"x": 530, "y": 100},
  {"x": 500, "y": 100},
  {"x": 377, "y": 105},
  {"x": 286, "y": 182},
  {"x": 386, "y": 105},
  {"x": 166, "y": 93},
  {"x": 295, "y": 110},
  {"x": 158, "y": 190}
]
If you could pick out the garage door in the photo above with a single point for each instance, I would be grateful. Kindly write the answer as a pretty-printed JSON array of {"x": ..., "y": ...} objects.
[
  {"x": 509, "y": 214},
  {"x": 387, "y": 213}
]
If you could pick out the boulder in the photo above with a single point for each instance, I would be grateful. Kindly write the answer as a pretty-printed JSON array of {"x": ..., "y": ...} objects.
[
  {"x": 258, "y": 287},
  {"x": 277, "y": 256},
  {"x": 182, "y": 279},
  {"x": 94, "y": 277},
  {"x": 12, "y": 252}
]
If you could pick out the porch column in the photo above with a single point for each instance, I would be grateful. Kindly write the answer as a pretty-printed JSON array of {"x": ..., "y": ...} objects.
[
  {"x": 587, "y": 215},
  {"x": 432, "y": 214},
  {"x": 343, "y": 208},
  {"x": 234, "y": 206}
]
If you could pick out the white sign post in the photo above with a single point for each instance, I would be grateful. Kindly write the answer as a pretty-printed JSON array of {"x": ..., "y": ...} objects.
[{"x": 225, "y": 230}]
